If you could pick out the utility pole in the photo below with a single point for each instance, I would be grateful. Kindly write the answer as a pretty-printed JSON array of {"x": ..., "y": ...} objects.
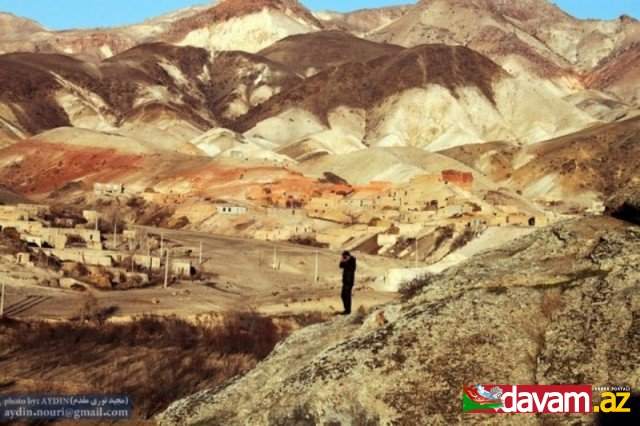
[
  {"x": 166, "y": 271},
  {"x": 416, "y": 252},
  {"x": 2, "y": 302},
  {"x": 161, "y": 243},
  {"x": 97, "y": 219},
  {"x": 316, "y": 275},
  {"x": 115, "y": 235},
  {"x": 275, "y": 257},
  {"x": 200, "y": 252}
]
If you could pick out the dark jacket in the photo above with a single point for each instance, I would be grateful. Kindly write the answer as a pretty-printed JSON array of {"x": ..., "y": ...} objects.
[{"x": 348, "y": 271}]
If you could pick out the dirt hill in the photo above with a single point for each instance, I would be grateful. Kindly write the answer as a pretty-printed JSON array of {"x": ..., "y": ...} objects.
[
  {"x": 223, "y": 25},
  {"x": 242, "y": 25},
  {"x": 619, "y": 74},
  {"x": 364, "y": 85},
  {"x": 492, "y": 28},
  {"x": 12, "y": 26}
]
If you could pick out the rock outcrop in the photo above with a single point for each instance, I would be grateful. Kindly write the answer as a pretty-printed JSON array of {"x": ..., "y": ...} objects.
[
  {"x": 558, "y": 306},
  {"x": 625, "y": 206}
]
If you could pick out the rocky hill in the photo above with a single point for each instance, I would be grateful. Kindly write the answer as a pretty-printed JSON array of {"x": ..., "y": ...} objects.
[
  {"x": 619, "y": 74},
  {"x": 12, "y": 26},
  {"x": 486, "y": 26},
  {"x": 223, "y": 25},
  {"x": 557, "y": 306},
  {"x": 248, "y": 25}
]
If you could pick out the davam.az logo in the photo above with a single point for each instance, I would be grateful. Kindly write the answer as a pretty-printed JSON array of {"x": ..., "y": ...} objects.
[{"x": 534, "y": 399}]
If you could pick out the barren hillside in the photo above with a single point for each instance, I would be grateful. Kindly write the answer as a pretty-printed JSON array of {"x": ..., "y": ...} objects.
[
  {"x": 362, "y": 21},
  {"x": 619, "y": 74},
  {"x": 308, "y": 54},
  {"x": 421, "y": 97},
  {"x": 223, "y": 25},
  {"x": 485, "y": 26},
  {"x": 12, "y": 26},
  {"x": 242, "y": 25},
  {"x": 180, "y": 90},
  {"x": 578, "y": 169},
  {"x": 532, "y": 38}
]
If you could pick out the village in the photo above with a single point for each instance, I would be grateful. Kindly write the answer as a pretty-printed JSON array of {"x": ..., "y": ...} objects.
[
  {"x": 127, "y": 258},
  {"x": 422, "y": 220},
  {"x": 388, "y": 213}
]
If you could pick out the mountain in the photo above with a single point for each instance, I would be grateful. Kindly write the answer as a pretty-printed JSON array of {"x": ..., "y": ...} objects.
[
  {"x": 491, "y": 28},
  {"x": 584, "y": 43},
  {"x": 423, "y": 96},
  {"x": 362, "y": 21},
  {"x": 533, "y": 38},
  {"x": 248, "y": 25},
  {"x": 12, "y": 26},
  {"x": 153, "y": 91}
]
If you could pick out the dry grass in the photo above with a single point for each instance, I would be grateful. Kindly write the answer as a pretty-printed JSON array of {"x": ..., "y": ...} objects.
[
  {"x": 411, "y": 289},
  {"x": 550, "y": 303},
  {"x": 155, "y": 360},
  {"x": 536, "y": 326}
]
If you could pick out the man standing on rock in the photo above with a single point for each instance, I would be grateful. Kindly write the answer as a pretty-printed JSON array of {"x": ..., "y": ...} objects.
[{"x": 348, "y": 265}]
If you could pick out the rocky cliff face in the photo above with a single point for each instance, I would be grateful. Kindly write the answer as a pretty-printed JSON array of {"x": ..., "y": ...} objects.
[{"x": 558, "y": 306}]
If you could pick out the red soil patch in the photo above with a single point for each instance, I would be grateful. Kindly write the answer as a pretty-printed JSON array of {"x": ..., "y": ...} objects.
[{"x": 44, "y": 167}]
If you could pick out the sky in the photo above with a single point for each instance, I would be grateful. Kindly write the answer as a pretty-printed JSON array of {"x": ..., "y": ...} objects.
[{"x": 65, "y": 14}]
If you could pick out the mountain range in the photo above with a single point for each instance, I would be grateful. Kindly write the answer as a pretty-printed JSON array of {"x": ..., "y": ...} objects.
[{"x": 281, "y": 83}]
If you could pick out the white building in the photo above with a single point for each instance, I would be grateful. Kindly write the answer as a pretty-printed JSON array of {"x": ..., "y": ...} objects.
[
  {"x": 108, "y": 188},
  {"x": 232, "y": 210}
]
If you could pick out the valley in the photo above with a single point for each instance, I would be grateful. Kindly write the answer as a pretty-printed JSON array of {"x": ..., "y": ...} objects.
[{"x": 187, "y": 184}]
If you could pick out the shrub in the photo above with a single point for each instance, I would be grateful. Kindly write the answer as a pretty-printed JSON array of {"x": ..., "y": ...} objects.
[
  {"x": 11, "y": 233},
  {"x": 410, "y": 289},
  {"x": 463, "y": 239},
  {"x": 360, "y": 315},
  {"x": 444, "y": 233}
]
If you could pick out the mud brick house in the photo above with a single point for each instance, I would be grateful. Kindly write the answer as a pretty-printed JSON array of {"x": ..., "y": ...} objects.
[{"x": 462, "y": 180}]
